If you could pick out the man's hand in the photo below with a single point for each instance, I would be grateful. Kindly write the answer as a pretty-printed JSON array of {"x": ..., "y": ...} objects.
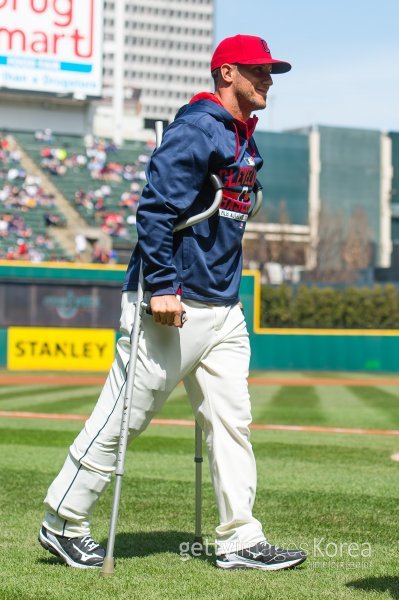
[{"x": 167, "y": 310}]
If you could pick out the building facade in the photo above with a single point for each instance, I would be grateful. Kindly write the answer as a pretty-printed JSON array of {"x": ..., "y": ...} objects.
[
  {"x": 335, "y": 182},
  {"x": 394, "y": 137},
  {"x": 158, "y": 52}
]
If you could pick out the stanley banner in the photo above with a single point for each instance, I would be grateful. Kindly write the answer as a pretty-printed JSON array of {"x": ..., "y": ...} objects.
[{"x": 57, "y": 349}]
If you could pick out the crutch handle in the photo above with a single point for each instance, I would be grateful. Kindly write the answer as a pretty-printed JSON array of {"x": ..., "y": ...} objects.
[
  {"x": 203, "y": 216},
  {"x": 258, "y": 200},
  {"x": 183, "y": 316}
]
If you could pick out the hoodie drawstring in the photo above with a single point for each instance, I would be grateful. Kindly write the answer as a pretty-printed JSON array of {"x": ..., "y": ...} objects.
[
  {"x": 237, "y": 142},
  {"x": 251, "y": 147}
]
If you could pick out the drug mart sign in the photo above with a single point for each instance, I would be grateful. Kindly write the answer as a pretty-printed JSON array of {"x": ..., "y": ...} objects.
[{"x": 51, "y": 46}]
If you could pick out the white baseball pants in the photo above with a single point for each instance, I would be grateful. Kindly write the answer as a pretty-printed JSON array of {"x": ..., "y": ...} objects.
[{"x": 211, "y": 355}]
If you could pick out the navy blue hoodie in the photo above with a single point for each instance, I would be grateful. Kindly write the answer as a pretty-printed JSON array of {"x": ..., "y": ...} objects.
[{"x": 203, "y": 262}]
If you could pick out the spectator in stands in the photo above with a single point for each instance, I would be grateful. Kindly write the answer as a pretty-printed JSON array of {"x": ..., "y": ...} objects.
[
  {"x": 95, "y": 167},
  {"x": 111, "y": 147},
  {"x": 11, "y": 253},
  {"x": 104, "y": 190},
  {"x": 22, "y": 249},
  {"x": 4, "y": 143},
  {"x": 100, "y": 205},
  {"x": 80, "y": 246},
  {"x": 43, "y": 241},
  {"x": 4, "y": 226},
  {"x": 129, "y": 200},
  {"x": 15, "y": 156},
  {"x": 45, "y": 135},
  {"x": 35, "y": 255},
  {"x": 81, "y": 160},
  {"x": 4, "y": 193},
  {"x": 100, "y": 255},
  {"x": 15, "y": 173},
  {"x": 143, "y": 158},
  {"x": 51, "y": 220},
  {"x": 129, "y": 172},
  {"x": 17, "y": 200}
]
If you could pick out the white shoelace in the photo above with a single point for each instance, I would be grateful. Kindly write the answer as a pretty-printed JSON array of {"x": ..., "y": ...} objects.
[{"x": 89, "y": 543}]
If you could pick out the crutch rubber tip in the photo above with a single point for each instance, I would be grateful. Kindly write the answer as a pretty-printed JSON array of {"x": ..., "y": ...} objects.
[{"x": 108, "y": 567}]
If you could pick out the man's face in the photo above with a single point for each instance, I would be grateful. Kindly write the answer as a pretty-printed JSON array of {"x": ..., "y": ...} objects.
[{"x": 251, "y": 84}]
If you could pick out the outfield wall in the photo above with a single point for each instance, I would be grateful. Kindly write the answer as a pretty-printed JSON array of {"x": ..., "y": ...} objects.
[
  {"x": 64, "y": 317},
  {"x": 315, "y": 349}
]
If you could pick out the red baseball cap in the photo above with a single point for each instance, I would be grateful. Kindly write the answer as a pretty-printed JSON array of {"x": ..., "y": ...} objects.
[{"x": 246, "y": 50}]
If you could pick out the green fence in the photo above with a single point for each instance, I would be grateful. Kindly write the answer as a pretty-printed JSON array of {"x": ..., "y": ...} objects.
[
  {"x": 315, "y": 349},
  {"x": 310, "y": 350},
  {"x": 3, "y": 347}
]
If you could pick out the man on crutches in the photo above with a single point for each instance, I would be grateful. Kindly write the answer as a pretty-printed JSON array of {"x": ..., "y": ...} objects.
[{"x": 190, "y": 275}]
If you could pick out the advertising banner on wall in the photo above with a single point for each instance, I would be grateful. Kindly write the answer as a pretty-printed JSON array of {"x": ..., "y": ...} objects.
[
  {"x": 51, "y": 46},
  {"x": 46, "y": 348},
  {"x": 59, "y": 305}
]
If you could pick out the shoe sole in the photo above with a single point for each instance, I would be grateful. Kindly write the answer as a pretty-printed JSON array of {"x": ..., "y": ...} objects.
[
  {"x": 59, "y": 552},
  {"x": 260, "y": 566}
]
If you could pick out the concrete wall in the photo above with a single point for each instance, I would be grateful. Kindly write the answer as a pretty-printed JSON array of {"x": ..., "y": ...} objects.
[{"x": 30, "y": 113}]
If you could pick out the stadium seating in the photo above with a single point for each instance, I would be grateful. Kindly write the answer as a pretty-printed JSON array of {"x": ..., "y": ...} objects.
[
  {"x": 96, "y": 195},
  {"x": 27, "y": 214}
]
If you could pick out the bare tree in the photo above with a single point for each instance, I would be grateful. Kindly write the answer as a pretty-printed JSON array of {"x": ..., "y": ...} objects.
[
  {"x": 357, "y": 248},
  {"x": 275, "y": 244},
  {"x": 343, "y": 246}
]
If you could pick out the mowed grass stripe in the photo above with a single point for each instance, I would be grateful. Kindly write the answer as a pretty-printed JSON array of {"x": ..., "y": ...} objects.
[
  {"x": 261, "y": 396},
  {"x": 78, "y": 406},
  {"x": 343, "y": 408},
  {"x": 44, "y": 390},
  {"x": 177, "y": 406},
  {"x": 36, "y": 437},
  {"x": 8, "y": 391},
  {"x": 270, "y": 450},
  {"x": 27, "y": 391},
  {"x": 316, "y": 509},
  {"x": 383, "y": 402},
  {"x": 369, "y": 518},
  {"x": 48, "y": 396},
  {"x": 294, "y": 405},
  {"x": 394, "y": 390},
  {"x": 63, "y": 439}
]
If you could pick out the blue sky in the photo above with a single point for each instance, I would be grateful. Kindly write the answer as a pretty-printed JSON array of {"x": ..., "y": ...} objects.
[{"x": 345, "y": 57}]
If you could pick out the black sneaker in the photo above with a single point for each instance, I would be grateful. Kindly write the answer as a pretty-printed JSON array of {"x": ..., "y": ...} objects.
[
  {"x": 79, "y": 552},
  {"x": 261, "y": 556}
]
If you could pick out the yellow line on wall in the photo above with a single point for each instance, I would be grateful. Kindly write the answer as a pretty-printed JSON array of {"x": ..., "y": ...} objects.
[{"x": 62, "y": 265}]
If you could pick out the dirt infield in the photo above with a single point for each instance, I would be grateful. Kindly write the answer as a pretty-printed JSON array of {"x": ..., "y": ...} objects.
[
  {"x": 76, "y": 380},
  {"x": 187, "y": 423},
  {"x": 51, "y": 379}
]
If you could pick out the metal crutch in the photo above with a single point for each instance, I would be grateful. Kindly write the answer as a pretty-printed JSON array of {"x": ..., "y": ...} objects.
[
  {"x": 109, "y": 562},
  {"x": 198, "y": 458}
]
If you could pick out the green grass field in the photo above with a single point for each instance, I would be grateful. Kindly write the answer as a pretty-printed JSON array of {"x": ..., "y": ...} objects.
[{"x": 321, "y": 491}]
